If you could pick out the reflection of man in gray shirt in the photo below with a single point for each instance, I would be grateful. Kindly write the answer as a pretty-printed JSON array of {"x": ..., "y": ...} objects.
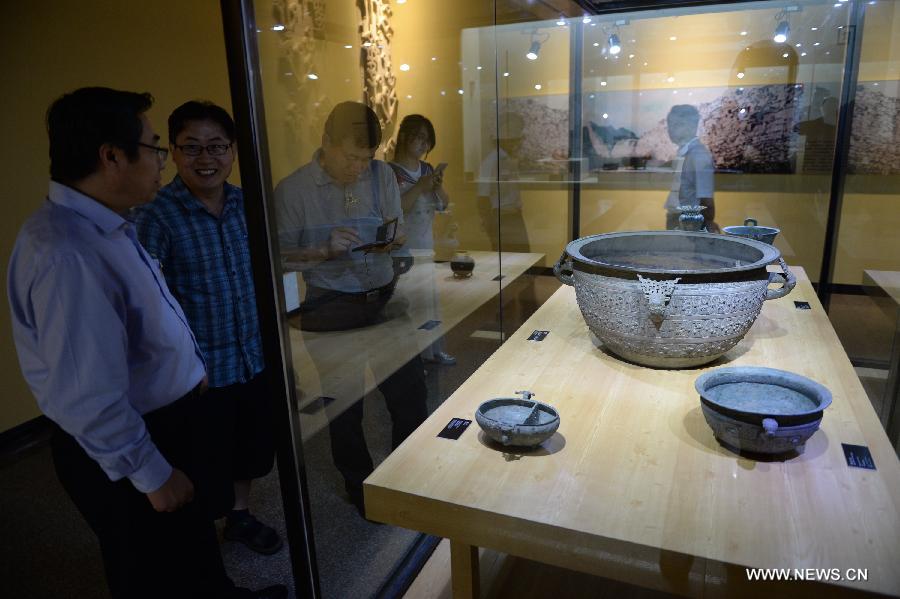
[
  {"x": 334, "y": 203},
  {"x": 694, "y": 168},
  {"x": 325, "y": 209}
]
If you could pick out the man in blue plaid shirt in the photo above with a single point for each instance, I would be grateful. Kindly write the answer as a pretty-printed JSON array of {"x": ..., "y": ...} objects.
[{"x": 197, "y": 231}]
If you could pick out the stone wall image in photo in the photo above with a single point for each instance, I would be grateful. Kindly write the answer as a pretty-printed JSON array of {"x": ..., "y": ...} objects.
[
  {"x": 545, "y": 134},
  {"x": 875, "y": 135},
  {"x": 750, "y": 130}
]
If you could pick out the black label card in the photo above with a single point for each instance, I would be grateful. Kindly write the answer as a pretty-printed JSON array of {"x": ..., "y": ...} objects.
[
  {"x": 455, "y": 428},
  {"x": 858, "y": 456},
  {"x": 538, "y": 335},
  {"x": 802, "y": 305},
  {"x": 430, "y": 325},
  {"x": 498, "y": 277}
]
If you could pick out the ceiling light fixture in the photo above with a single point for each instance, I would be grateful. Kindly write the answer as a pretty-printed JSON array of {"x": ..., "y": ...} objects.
[
  {"x": 783, "y": 29},
  {"x": 537, "y": 39},
  {"x": 615, "y": 46},
  {"x": 781, "y": 32}
]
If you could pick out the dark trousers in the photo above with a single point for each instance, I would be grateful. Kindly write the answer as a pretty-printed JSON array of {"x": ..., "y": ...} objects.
[
  {"x": 330, "y": 310},
  {"x": 405, "y": 394},
  {"x": 147, "y": 553},
  {"x": 404, "y": 391}
]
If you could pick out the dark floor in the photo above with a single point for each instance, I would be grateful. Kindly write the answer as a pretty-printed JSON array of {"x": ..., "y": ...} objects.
[{"x": 47, "y": 550}]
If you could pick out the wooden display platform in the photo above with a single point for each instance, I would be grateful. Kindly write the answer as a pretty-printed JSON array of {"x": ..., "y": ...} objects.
[
  {"x": 635, "y": 488},
  {"x": 349, "y": 364}
]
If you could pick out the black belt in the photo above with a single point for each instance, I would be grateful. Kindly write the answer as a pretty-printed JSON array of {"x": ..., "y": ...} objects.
[{"x": 322, "y": 295}]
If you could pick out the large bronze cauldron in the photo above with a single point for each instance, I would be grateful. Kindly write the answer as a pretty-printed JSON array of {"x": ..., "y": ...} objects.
[{"x": 671, "y": 299}]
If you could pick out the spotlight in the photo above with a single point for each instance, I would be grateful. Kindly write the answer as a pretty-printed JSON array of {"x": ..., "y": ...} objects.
[
  {"x": 533, "y": 50},
  {"x": 615, "y": 46},
  {"x": 781, "y": 32}
]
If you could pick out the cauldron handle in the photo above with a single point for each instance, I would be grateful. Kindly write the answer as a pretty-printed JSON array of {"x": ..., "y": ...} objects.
[
  {"x": 771, "y": 425},
  {"x": 563, "y": 269},
  {"x": 750, "y": 222},
  {"x": 658, "y": 295},
  {"x": 788, "y": 279}
]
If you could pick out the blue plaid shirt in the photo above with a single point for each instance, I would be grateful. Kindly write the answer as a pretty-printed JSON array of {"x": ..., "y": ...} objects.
[{"x": 206, "y": 263}]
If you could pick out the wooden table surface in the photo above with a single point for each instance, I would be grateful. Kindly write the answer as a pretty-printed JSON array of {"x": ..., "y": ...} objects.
[
  {"x": 349, "y": 364},
  {"x": 634, "y": 486},
  {"x": 888, "y": 280}
]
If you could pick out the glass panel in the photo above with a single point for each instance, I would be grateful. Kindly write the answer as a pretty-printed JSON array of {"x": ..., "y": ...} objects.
[
  {"x": 867, "y": 266},
  {"x": 523, "y": 108},
  {"x": 382, "y": 333},
  {"x": 704, "y": 106}
]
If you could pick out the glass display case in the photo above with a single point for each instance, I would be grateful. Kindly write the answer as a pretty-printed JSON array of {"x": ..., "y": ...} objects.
[
  {"x": 542, "y": 124},
  {"x": 393, "y": 262}
]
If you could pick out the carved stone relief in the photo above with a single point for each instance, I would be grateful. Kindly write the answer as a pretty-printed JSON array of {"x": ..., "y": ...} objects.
[
  {"x": 304, "y": 23},
  {"x": 375, "y": 34}
]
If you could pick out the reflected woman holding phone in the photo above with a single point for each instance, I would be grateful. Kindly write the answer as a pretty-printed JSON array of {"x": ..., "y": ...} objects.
[{"x": 421, "y": 195}]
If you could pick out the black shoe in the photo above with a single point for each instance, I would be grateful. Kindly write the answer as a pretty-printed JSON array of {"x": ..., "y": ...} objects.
[{"x": 246, "y": 529}]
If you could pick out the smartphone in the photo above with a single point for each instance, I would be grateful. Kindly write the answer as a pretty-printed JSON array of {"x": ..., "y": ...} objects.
[{"x": 384, "y": 236}]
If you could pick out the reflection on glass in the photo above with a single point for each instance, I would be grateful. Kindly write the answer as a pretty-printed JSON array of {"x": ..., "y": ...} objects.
[
  {"x": 422, "y": 195},
  {"x": 501, "y": 202},
  {"x": 692, "y": 183},
  {"x": 331, "y": 213},
  {"x": 688, "y": 106}
]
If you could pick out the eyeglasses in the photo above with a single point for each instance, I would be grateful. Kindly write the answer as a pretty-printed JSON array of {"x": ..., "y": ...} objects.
[
  {"x": 161, "y": 153},
  {"x": 196, "y": 150}
]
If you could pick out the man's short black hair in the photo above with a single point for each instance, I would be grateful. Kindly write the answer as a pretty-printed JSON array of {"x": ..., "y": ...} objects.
[
  {"x": 79, "y": 122},
  {"x": 199, "y": 110},
  {"x": 354, "y": 121},
  {"x": 684, "y": 113}
]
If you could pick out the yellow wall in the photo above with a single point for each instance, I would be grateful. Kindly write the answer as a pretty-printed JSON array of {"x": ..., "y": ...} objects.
[{"x": 173, "y": 49}]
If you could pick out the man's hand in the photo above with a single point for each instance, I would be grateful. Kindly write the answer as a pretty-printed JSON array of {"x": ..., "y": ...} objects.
[
  {"x": 342, "y": 240},
  {"x": 174, "y": 493},
  {"x": 399, "y": 240}
]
